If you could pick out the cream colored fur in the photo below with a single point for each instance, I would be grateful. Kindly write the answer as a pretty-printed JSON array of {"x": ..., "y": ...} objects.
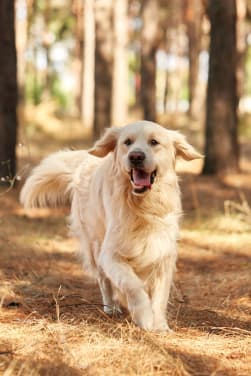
[{"x": 127, "y": 240}]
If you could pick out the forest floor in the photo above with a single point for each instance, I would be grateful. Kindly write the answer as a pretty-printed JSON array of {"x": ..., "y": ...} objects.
[{"x": 51, "y": 319}]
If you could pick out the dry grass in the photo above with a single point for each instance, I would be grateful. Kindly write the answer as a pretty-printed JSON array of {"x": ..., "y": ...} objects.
[{"x": 51, "y": 319}]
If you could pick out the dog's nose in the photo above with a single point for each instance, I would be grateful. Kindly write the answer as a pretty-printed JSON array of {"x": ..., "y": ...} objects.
[{"x": 136, "y": 157}]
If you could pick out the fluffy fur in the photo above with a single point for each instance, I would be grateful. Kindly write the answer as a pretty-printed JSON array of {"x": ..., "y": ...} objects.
[{"x": 127, "y": 230}]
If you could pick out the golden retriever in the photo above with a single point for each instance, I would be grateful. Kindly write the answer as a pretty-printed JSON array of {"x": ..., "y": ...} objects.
[{"x": 125, "y": 209}]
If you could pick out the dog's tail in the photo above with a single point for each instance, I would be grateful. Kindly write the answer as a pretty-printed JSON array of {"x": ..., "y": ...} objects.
[{"x": 50, "y": 182}]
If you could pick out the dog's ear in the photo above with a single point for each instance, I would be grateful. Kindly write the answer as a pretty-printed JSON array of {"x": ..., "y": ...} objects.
[
  {"x": 106, "y": 143},
  {"x": 183, "y": 148}
]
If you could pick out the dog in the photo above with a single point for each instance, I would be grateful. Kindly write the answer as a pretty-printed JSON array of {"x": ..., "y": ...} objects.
[{"x": 125, "y": 210}]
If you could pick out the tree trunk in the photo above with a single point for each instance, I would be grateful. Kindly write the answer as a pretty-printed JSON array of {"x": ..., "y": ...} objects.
[
  {"x": 46, "y": 45},
  {"x": 241, "y": 7},
  {"x": 120, "y": 65},
  {"x": 36, "y": 92},
  {"x": 87, "y": 92},
  {"x": 194, "y": 24},
  {"x": 77, "y": 61},
  {"x": 103, "y": 65},
  {"x": 21, "y": 45},
  {"x": 221, "y": 117},
  {"x": 8, "y": 91},
  {"x": 174, "y": 45},
  {"x": 149, "y": 43}
]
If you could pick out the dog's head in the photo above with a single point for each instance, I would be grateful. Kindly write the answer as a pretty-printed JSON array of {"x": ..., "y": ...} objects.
[{"x": 144, "y": 151}]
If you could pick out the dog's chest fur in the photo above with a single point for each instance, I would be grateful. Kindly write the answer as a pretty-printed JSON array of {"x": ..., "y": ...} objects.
[{"x": 143, "y": 243}]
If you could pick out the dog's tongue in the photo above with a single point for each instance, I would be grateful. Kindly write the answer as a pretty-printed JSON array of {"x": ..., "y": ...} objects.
[{"x": 141, "y": 178}]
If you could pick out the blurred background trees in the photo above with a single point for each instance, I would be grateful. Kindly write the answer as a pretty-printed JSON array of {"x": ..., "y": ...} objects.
[
  {"x": 194, "y": 12},
  {"x": 149, "y": 46},
  {"x": 221, "y": 153},
  {"x": 8, "y": 90},
  {"x": 107, "y": 62}
]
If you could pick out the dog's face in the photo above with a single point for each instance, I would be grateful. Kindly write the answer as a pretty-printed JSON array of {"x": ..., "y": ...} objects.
[{"x": 144, "y": 152}]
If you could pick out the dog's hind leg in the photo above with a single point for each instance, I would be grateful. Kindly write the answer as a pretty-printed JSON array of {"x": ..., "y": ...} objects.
[
  {"x": 110, "y": 306},
  {"x": 88, "y": 250}
]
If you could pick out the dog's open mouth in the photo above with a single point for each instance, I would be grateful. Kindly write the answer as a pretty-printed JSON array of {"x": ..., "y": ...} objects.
[{"x": 142, "y": 180}]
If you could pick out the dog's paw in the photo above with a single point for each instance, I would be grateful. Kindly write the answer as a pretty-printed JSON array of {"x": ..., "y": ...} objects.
[
  {"x": 140, "y": 308},
  {"x": 162, "y": 327},
  {"x": 114, "y": 310},
  {"x": 144, "y": 319}
]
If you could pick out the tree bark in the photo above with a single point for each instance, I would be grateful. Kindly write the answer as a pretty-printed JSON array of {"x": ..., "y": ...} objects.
[
  {"x": 103, "y": 65},
  {"x": 8, "y": 91},
  {"x": 221, "y": 148},
  {"x": 77, "y": 63},
  {"x": 21, "y": 45},
  {"x": 241, "y": 7},
  {"x": 46, "y": 45},
  {"x": 194, "y": 23},
  {"x": 120, "y": 65},
  {"x": 149, "y": 44},
  {"x": 88, "y": 63}
]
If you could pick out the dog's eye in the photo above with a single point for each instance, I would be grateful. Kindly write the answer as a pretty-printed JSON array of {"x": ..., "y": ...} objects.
[
  {"x": 154, "y": 142},
  {"x": 128, "y": 142}
]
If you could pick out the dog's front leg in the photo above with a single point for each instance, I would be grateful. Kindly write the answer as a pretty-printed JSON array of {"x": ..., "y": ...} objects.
[
  {"x": 160, "y": 293},
  {"x": 130, "y": 286}
]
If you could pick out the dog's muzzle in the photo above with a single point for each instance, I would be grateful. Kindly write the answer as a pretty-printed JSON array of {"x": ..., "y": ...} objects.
[{"x": 142, "y": 180}]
